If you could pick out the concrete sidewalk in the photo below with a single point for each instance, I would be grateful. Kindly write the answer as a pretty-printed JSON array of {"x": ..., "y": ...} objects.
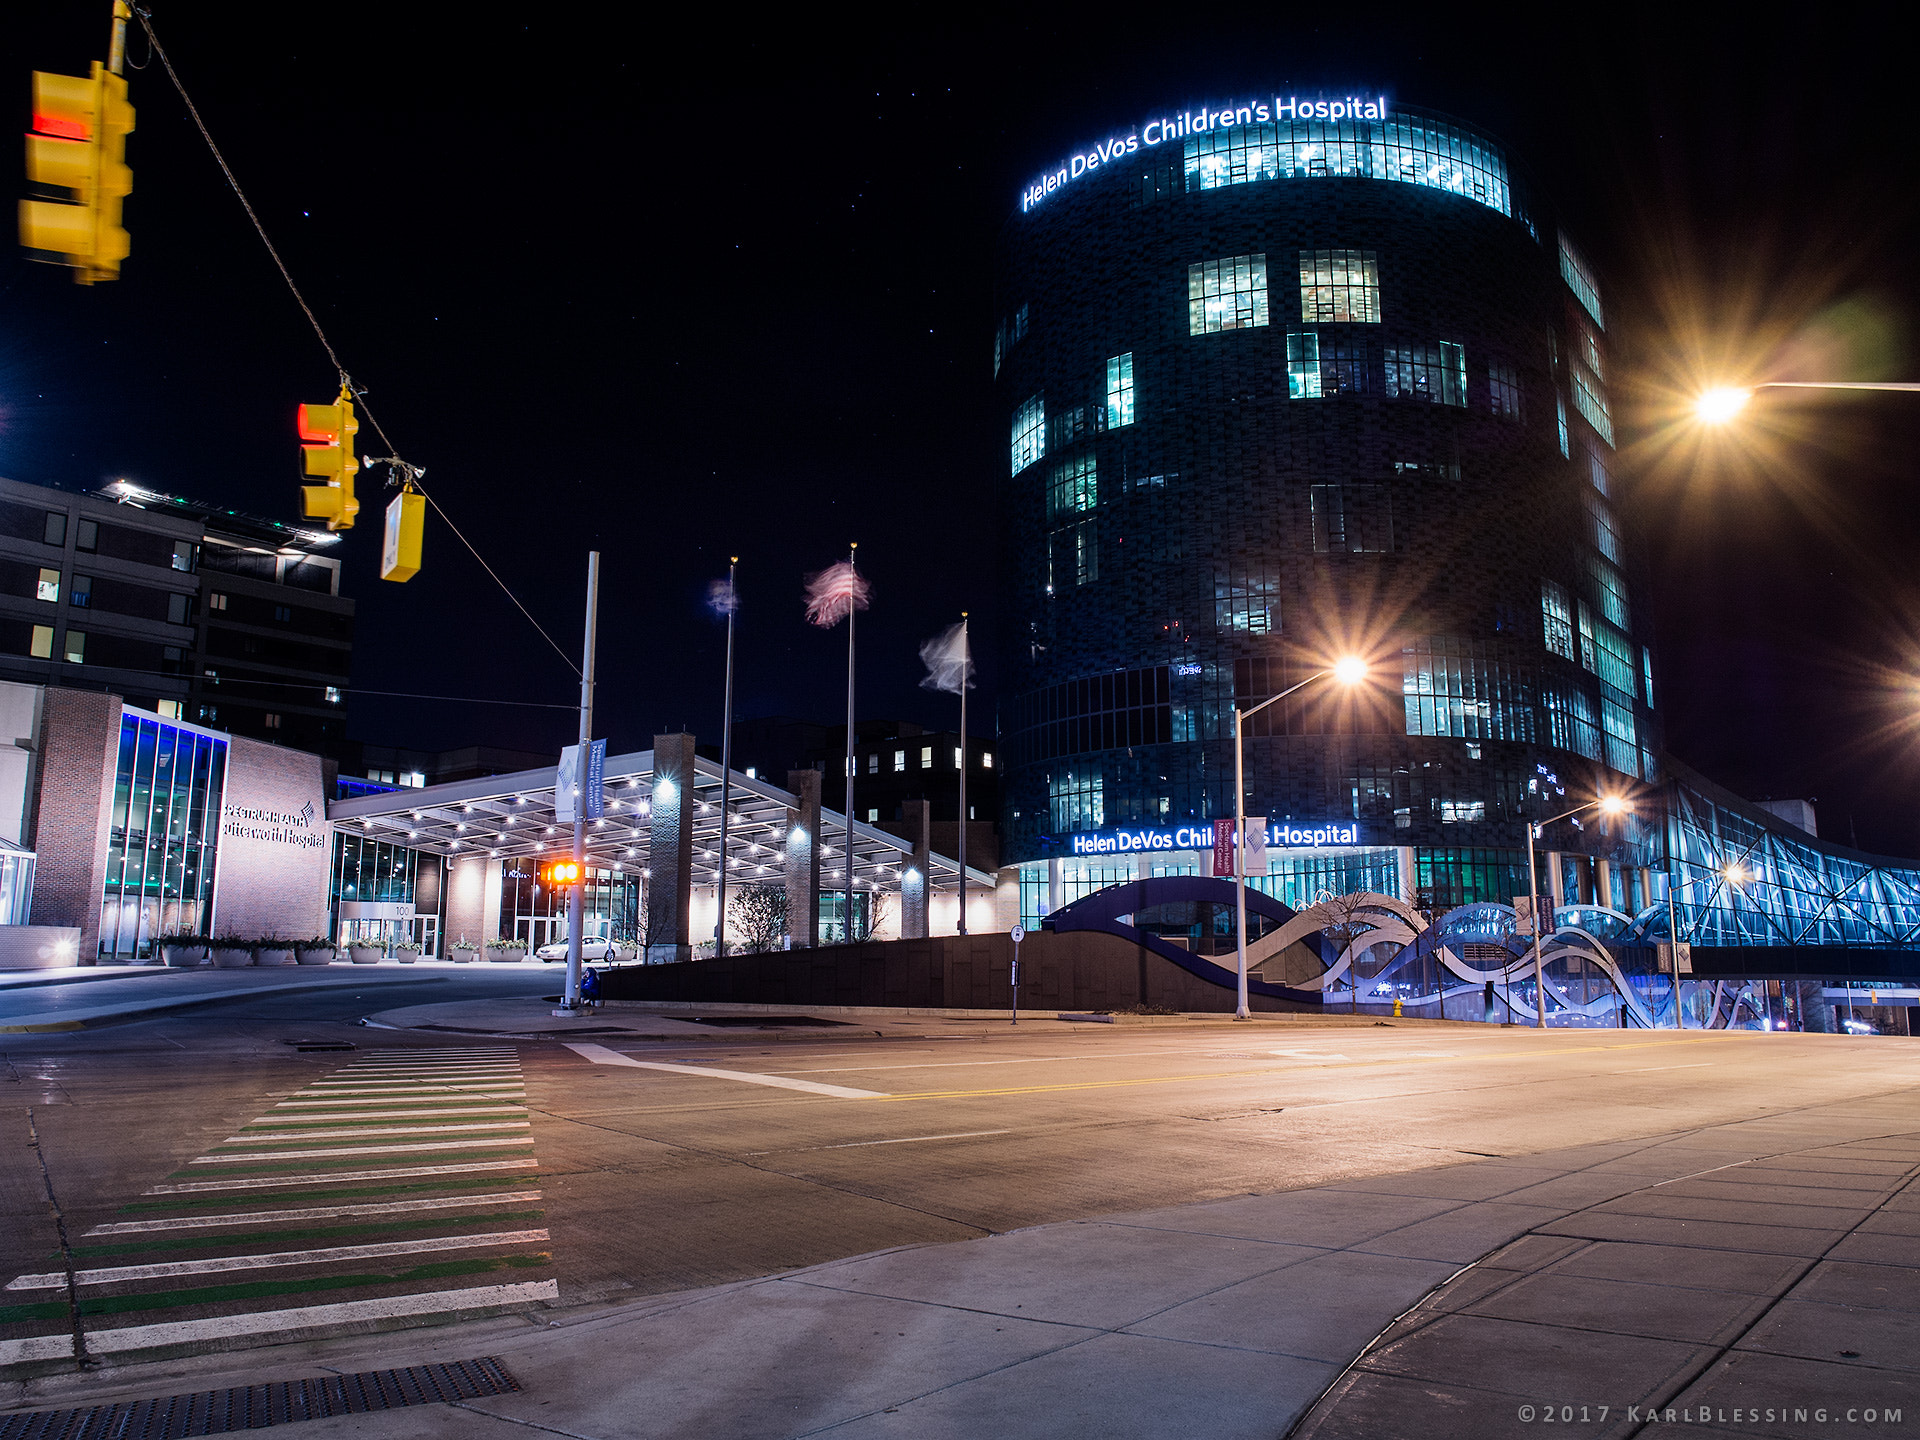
[
  {"x": 49, "y": 1007},
  {"x": 1767, "y": 1267}
]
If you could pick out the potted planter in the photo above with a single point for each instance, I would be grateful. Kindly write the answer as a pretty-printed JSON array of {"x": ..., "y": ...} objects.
[
  {"x": 463, "y": 952},
  {"x": 183, "y": 952},
  {"x": 273, "y": 951},
  {"x": 505, "y": 952},
  {"x": 230, "y": 952},
  {"x": 315, "y": 952},
  {"x": 364, "y": 954},
  {"x": 406, "y": 952}
]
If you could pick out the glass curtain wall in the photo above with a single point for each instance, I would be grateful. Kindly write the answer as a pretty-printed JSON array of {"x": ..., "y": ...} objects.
[
  {"x": 368, "y": 870},
  {"x": 164, "y": 838}
]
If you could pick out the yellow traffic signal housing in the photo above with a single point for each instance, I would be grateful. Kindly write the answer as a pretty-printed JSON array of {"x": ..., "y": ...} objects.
[
  {"x": 327, "y": 433},
  {"x": 406, "y": 522},
  {"x": 563, "y": 873},
  {"x": 79, "y": 145}
]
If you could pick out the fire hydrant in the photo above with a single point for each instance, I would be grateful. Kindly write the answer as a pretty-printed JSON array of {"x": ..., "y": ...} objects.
[{"x": 1396, "y": 1007}]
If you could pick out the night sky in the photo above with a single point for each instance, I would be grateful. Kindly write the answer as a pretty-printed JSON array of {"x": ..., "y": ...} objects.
[{"x": 680, "y": 293}]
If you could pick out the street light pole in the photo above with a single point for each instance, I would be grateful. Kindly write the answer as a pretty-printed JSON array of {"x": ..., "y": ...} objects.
[
  {"x": 1673, "y": 924},
  {"x": 1612, "y": 805},
  {"x": 574, "y": 900},
  {"x": 1349, "y": 672}
]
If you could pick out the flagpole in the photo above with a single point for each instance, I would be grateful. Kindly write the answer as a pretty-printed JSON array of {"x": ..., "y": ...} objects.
[
  {"x": 846, "y": 919},
  {"x": 726, "y": 770},
  {"x": 966, "y": 656}
]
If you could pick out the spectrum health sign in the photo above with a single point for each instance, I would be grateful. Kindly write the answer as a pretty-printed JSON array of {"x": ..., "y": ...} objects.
[{"x": 1281, "y": 835}]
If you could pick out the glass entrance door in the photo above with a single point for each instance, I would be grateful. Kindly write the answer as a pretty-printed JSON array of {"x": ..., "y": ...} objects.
[
  {"x": 533, "y": 931},
  {"x": 426, "y": 934}
]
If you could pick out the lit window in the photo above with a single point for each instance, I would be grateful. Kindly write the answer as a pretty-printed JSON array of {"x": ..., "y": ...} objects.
[
  {"x": 1609, "y": 590},
  {"x": 1601, "y": 529},
  {"x": 1232, "y": 156},
  {"x": 1556, "y": 616},
  {"x": 1339, "y": 287},
  {"x": 1078, "y": 799},
  {"x": 1303, "y": 366},
  {"x": 42, "y": 646},
  {"x": 873, "y": 763},
  {"x": 1646, "y": 670},
  {"x": 899, "y": 760},
  {"x": 1074, "y": 486},
  {"x": 1573, "y": 269},
  {"x": 216, "y": 602},
  {"x": 1120, "y": 391},
  {"x": 333, "y": 694},
  {"x": 926, "y": 757},
  {"x": 1228, "y": 294},
  {"x": 413, "y": 779},
  {"x": 1029, "y": 432},
  {"x": 1503, "y": 390},
  {"x": 752, "y": 773},
  {"x": 1590, "y": 399},
  {"x": 1591, "y": 355},
  {"x": 168, "y": 708},
  {"x": 956, "y": 757},
  {"x": 1247, "y": 602},
  {"x": 49, "y": 586},
  {"x": 873, "y": 816},
  {"x": 1613, "y": 659},
  {"x": 272, "y": 721},
  {"x": 1434, "y": 373},
  {"x": 1598, "y": 470},
  {"x": 183, "y": 555},
  {"x": 1351, "y": 519},
  {"x": 76, "y": 651},
  {"x": 1560, "y": 407},
  {"x": 986, "y": 756},
  {"x": 1018, "y": 330}
]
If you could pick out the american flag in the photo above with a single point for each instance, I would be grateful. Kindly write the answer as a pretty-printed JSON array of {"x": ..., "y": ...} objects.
[{"x": 835, "y": 593}]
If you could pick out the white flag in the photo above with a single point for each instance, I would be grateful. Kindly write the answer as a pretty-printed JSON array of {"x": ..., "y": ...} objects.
[
  {"x": 1254, "y": 853},
  {"x": 949, "y": 665},
  {"x": 566, "y": 786}
]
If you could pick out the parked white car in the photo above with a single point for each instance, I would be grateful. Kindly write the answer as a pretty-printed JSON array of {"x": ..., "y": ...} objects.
[{"x": 589, "y": 950}]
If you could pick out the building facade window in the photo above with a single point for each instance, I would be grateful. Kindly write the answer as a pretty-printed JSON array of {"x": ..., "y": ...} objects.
[
  {"x": 1646, "y": 674},
  {"x": 1608, "y": 589},
  {"x": 163, "y": 836},
  {"x": 926, "y": 757},
  {"x": 1560, "y": 411},
  {"x": 1591, "y": 401},
  {"x": 1074, "y": 557},
  {"x": 1570, "y": 720},
  {"x": 55, "y": 531},
  {"x": 1351, "y": 519},
  {"x": 1029, "y": 435},
  {"x": 75, "y": 649},
  {"x": 179, "y": 609},
  {"x": 1503, "y": 391},
  {"x": 1599, "y": 471},
  {"x": 873, "y": 763},
  {"x": 1229, "y": 294},
  {"x": 1451, "y": 687},
  {"x": 1073, "y": 487},
  {"x": 1556, "y": 619},
  {"x": 1601, "y": 530},
  {"x": 1303, "y": 366},
  {"x": 86, "y": 536},
  {"x": 1339, "y": 287},
  {"x": 1120, "y": 391},
  {"x": 1077, "y": 797},
  {"x": 41, "y": 646},
  {"x": 216, "y": 601},
  {"x": 1573, "y": 269},
  {"x": 1247, "y": 602},
  {"x": 1121, "y": 709},
  {"x": 48, "y": 586},
  {"x": 1622, "y": 751},
  {"x": 183, "y": 556},
  {"x": 899, "y": 761},
  {"x": 1434, "y": 373},
  {"x": 271, "y": 721}
]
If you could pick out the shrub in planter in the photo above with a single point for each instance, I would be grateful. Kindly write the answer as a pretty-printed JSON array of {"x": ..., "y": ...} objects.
[
  {"x": 183, "y": 949},
  {"x": 272, "y": 950},
  {"x": 505, "y": 952},
  {"x": 406, "y": 952},
  {"x": 364, "y": 954},
  {"x": 230, "y": 952},
  {"x": 463, "y": 952},
  {"x": 317, "y": 951}
]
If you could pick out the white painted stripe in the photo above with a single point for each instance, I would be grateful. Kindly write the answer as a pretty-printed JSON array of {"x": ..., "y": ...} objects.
[
  {"x": 438, "y": 1067},
  {"x": 375, "y": 1130},
  {"x": 601, "y": 1055},
  {"x": 333, "y": 1177},
  {"x": 363, "y": 1116},
  {"x": 910, "y": 1139},
  {"x": 325, "y": 1212},
  {"x": 279, "y": 1322},
  {"x": 408, "y": 1098},
  {"x": 362, "y": 1150},
  {"x": 376, "y": 1087},
  {"x": 1649, "y": 1069},
  {"x": 220, "y": 1264}
]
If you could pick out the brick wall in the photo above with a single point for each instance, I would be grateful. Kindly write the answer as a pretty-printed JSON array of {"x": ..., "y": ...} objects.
[
  {"x": 275, "y": 844},
  {"x": 80, "y": 732}
]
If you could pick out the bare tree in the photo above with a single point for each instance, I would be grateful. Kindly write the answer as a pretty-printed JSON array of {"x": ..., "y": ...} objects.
[
  {"x": 758, "y": 915},
  {"x": 871, "y": 917},
  {"x": 1343, "y": 920}
]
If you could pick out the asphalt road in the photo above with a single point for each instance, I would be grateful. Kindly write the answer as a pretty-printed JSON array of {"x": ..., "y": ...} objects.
[{"x": 208, "y": 1172}]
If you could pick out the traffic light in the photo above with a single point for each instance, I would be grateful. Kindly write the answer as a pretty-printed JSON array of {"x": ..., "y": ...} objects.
[
  {"x": 327, "y": 433},
  {"x": 406, "y": 521},
  {"x": 561, "y": 874},
  {"x": 78, "y": 145}
]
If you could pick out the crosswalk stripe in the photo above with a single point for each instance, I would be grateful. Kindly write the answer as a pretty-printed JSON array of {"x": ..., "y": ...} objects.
[
  {"x": 323, "y": 1212},
  {"x": 334, "y": 1177},
  {"x": 378, "y": 1130},
  {"x": 232, "y": 1158},
  {"x": 285, "y": 1323},
  {"x": 361, "y": 1117},
  {"x": 214, "y": 1265}
]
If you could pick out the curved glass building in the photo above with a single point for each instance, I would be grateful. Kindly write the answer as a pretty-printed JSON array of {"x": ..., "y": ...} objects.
[{"x": 1285, "y": 380}]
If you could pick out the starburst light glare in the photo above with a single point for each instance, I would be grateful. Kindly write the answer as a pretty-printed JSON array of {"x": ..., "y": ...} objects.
[{"x": 1720, "y": 404}]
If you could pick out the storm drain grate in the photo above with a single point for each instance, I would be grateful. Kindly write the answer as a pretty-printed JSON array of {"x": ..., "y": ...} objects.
[{"x": 220, "y": 1412}]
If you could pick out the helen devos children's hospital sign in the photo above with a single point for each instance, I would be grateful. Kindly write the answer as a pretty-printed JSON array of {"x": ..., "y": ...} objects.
[{"x": 1280, "y": 836}]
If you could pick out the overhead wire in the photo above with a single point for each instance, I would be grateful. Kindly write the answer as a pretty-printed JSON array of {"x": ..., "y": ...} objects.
[{"x": 346, "y": 380}]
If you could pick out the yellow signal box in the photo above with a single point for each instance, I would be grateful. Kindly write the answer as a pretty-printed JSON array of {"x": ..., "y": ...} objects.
[
  {"x": 79, "y": 144},
  {"x": 326, "y": 433},
  {"x": 406, "y": 523}
]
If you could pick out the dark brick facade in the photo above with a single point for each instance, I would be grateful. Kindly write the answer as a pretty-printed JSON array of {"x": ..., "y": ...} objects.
[
  {"x": 1209, "y": 494},
  {"x": 80, "y": 740}
]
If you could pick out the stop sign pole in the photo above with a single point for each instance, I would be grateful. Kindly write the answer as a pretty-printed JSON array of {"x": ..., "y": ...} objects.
[{"x": 1019, "y": 934}]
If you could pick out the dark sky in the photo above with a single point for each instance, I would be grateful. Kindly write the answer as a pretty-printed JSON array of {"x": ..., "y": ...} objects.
[{"x": 680, "y": 293}]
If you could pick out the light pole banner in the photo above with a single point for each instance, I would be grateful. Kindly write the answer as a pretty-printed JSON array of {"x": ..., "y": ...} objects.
[
  {"x": 566, "y": 786},
  {"x": 1223, "y": 847},
  {"x": 1256, "y": 846},
  {"x": 596, "y": 787}
]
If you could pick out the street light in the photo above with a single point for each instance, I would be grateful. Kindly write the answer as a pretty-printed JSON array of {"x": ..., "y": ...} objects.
[
  {"x": 1720, "y": 404},
  {"x": 1350, "y": 670},
  {"x": 1606, "y": 805}
]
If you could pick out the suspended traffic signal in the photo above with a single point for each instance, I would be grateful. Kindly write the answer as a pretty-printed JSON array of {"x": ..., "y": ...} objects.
[
  {"x": 406, "y": 524},
  {"x": 326, "y": 433},
  {"x": 78, "y": 146},
  {"x": 562, "y": 874}
]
